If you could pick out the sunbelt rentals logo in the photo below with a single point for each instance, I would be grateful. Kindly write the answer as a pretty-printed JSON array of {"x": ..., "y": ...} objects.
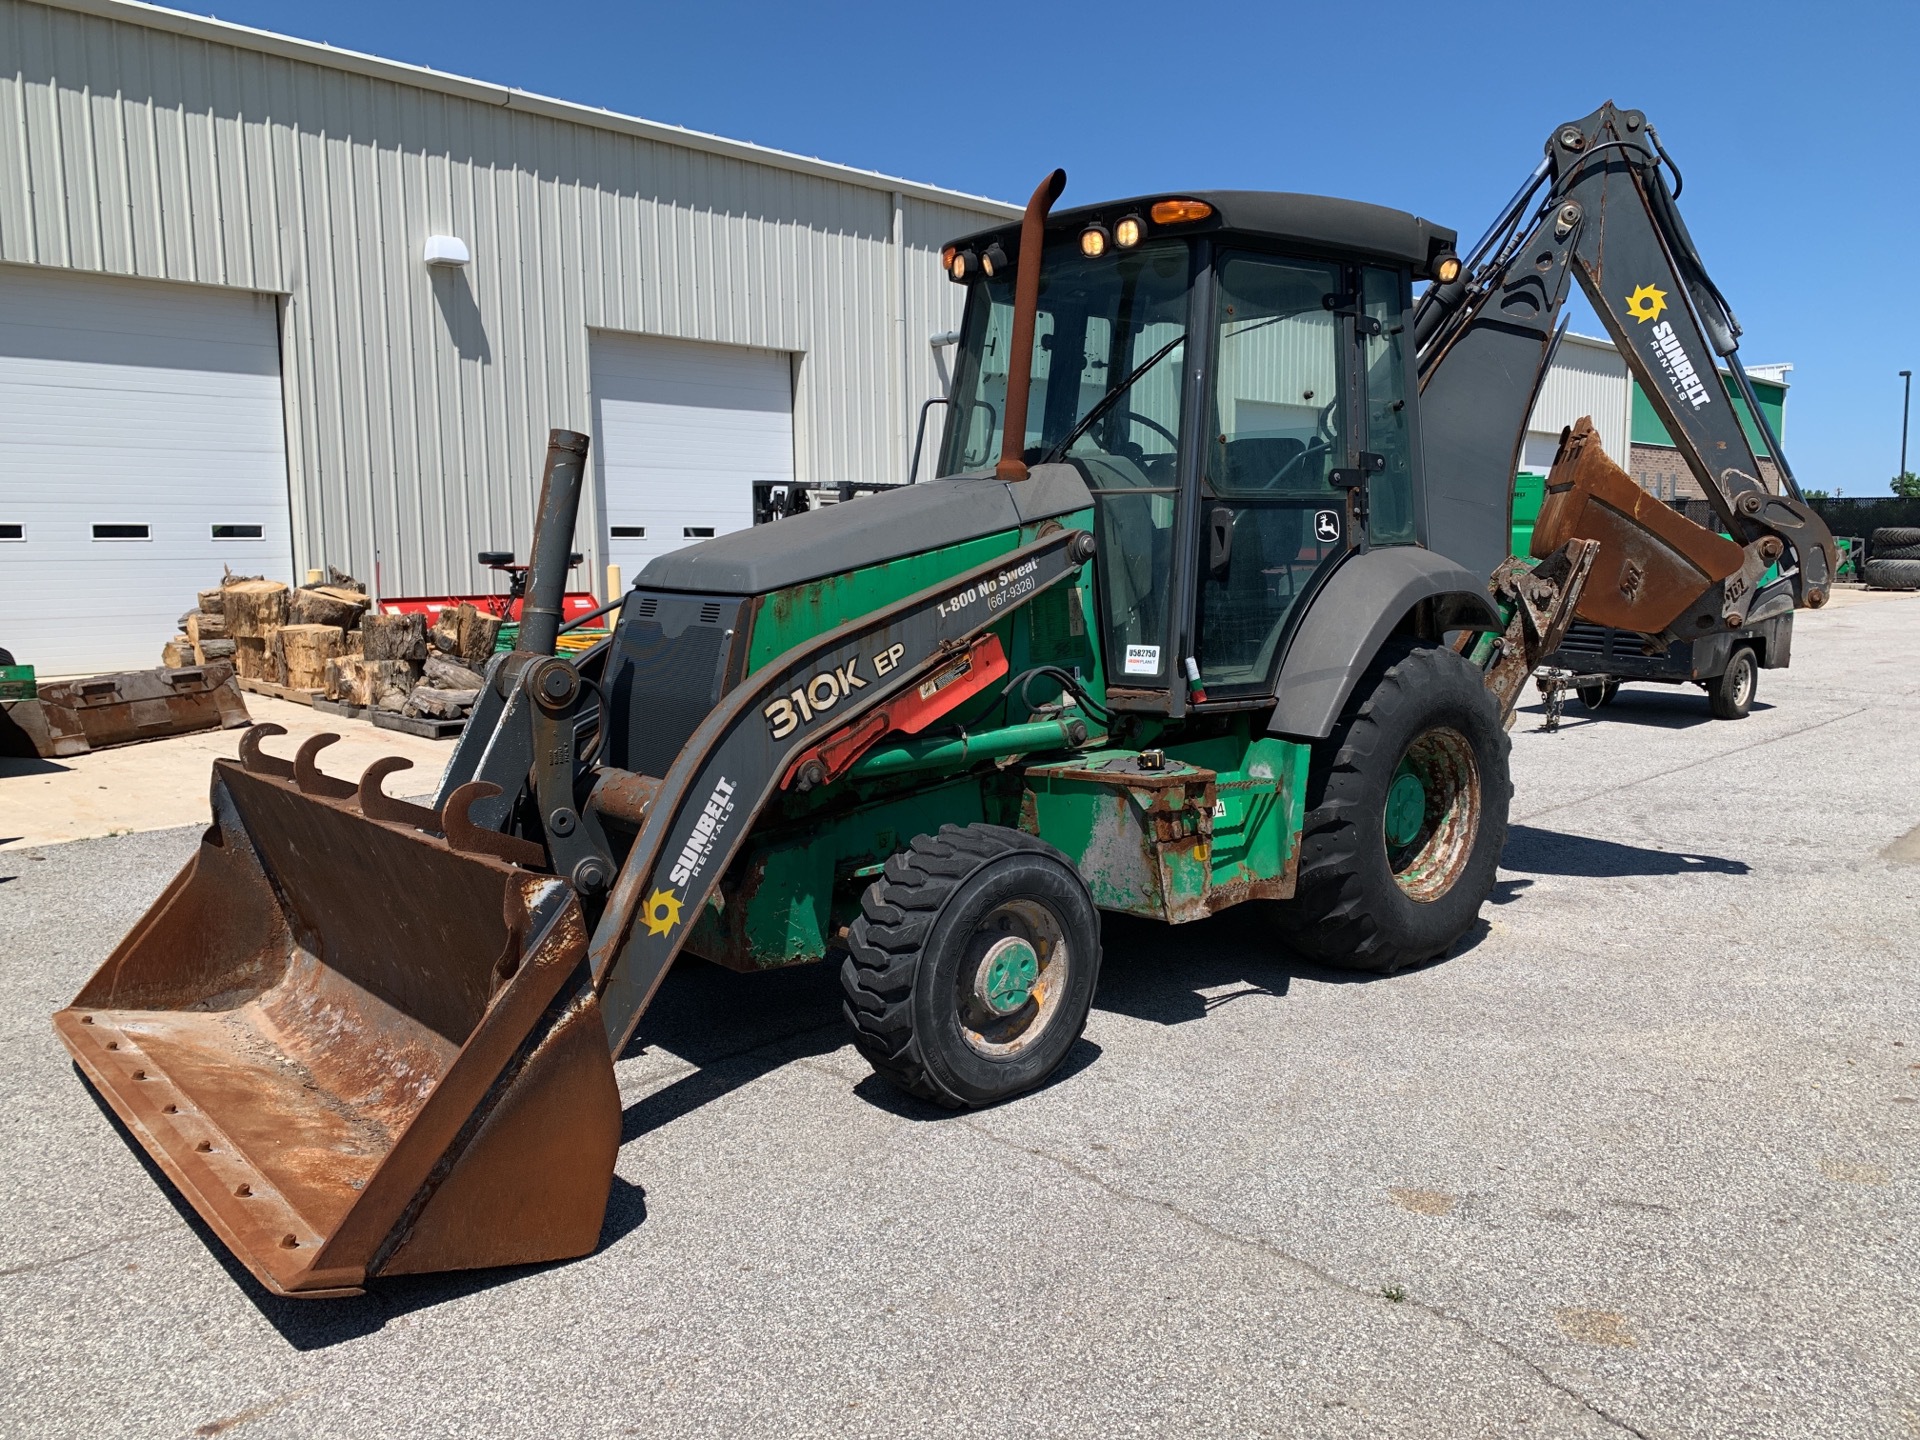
[
  {"x": 1648, "y": 302},
  {"x": 662, "y": 910}
]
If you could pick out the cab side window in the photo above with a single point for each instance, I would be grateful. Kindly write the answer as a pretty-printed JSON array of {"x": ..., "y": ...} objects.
[{"x": 1390, "y": 492}]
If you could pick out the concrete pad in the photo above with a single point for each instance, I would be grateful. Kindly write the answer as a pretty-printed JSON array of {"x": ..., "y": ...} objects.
[
  {"x": 157, "y": 784},
  {"x": 1637, "y": 1160}
]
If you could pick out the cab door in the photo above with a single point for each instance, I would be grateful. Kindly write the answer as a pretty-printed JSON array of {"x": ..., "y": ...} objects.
[{"x": 1280, "y": 428}]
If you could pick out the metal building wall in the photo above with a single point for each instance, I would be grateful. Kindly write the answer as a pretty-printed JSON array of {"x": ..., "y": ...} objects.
[
  {"x": 1587, "y": 377},
  {"x": 141, "y": 143}
]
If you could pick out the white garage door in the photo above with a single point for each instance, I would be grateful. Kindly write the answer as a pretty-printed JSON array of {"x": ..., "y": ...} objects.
[
  {"x": 142, "y": 449},
  {"x": 681, "y": 432}
]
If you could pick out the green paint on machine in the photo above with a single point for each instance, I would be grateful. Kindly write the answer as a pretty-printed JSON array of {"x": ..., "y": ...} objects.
[{"x": 786, "y": 617}]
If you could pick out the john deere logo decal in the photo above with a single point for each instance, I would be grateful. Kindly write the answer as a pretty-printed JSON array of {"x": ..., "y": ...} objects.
[
  {"x": 662, "y": 912},
  {"x": 1646, "y": 303}
]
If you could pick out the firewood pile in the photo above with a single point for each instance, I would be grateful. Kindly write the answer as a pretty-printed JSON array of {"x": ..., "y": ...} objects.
[{"x": 328, "y": 640}]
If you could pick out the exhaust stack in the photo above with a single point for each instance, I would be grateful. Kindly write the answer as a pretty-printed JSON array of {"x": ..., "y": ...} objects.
[{"x": 1026, "y": 307}]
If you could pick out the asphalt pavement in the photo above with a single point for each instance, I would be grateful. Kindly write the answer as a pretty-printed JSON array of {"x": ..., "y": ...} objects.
[{"x": 1638, "y": 1159}]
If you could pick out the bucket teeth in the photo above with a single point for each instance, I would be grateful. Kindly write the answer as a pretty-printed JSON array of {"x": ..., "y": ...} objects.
[
  {"x": 307, "y": 774},
  {"x": 257, "y": 761},
  {"x": 471, "y": 839},
  {"x": 376, "y": 804}
]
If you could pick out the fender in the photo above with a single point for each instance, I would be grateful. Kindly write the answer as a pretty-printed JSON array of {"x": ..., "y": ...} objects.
[{"x": 1363, "y": 602}]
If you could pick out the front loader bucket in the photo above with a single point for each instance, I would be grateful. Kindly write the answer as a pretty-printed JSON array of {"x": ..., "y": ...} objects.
[{"x": 358, "y": 1037}]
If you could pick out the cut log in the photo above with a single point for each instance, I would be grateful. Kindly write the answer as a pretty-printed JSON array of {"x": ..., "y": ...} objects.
[
  {"x": 255, "y": 609},
  {"x": 177, "y": 653},
  {"x": 394, "y": 637},
  {"x": 444, "y": 674},
  {"x": 212, "y": 650},
  {"x": 251, "y": 660},
  {"x": 344, "y": 681},
  {"x": 202, "y": 626},
  {"x": 319, "y": 605},
  {"x": 479, "y": 633},
  {"x": 445, "y": 632},
  {"x": 306, "y": 649},
  {"x": 390, "y": 682},
  {"x": 467, "y": 634},
  {"x": 441, "y": 704},
  {"x": 214, "y": 601}
]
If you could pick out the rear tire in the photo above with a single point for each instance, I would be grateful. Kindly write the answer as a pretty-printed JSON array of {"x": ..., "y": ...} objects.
[
  {"x": 972, "y": 965},
  {"x": 1895, "y": 537},
  {"x": 1730, "y": 694},
  {"x": 1892, "y": 574},
  {"x": 1598, "y": 696},
  {"x": 1387, "y": 879}
]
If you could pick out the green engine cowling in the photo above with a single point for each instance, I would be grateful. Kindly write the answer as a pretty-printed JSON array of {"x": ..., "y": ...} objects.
[{"x": 702, "y": 618}]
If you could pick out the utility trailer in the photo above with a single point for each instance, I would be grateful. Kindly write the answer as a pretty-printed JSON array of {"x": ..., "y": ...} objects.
[{"x": 1597, "y": 659}]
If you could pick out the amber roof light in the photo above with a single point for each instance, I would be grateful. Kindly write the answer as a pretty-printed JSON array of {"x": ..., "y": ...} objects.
[{"x": 1179, "y": 212}]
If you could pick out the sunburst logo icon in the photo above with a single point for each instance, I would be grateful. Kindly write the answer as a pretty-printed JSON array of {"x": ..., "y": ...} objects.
[
  {"x": 1646, "y": 303},
  {"x": 662, "y": 912}
]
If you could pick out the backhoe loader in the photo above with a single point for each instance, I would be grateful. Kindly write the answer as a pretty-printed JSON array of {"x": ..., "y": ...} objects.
[{"x": 1209, "y": 602}]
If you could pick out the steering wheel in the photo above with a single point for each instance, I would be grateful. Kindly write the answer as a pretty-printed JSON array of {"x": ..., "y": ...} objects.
[
  {"x": 1317, "y": 448},
  {"x": 1153, "y": 425}
]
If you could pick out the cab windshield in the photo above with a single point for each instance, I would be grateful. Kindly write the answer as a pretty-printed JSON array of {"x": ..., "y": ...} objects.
[
  {"x": 1098, "y": 322},
  {"x": 1115, "y": 323}
]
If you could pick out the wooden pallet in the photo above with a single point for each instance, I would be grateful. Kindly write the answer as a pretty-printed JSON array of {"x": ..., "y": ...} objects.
[
  {"x": 418, "y": 725},
  {"x": 279, "y": 692},
  {"x": 344, "y": 711}
]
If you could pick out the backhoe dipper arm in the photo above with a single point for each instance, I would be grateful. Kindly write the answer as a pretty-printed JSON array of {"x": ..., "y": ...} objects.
[{"x": 1605, "y": 215}]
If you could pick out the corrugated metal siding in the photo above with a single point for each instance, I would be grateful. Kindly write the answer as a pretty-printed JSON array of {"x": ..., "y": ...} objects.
[
  {"x": 418, "y": 400},
  {"x": 1587, "y": 377}
]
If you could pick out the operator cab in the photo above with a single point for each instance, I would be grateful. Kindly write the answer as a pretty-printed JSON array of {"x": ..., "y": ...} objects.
[{"x": 1227, "y": 370}]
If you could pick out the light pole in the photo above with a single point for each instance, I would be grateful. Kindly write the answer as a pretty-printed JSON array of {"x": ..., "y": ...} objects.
[{"x": 1906, "y": 401}]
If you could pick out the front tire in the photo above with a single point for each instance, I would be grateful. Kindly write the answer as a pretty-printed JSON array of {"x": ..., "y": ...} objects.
[
  {"x": 1407, "y": 816},
  {"x": 972, "y": 965}
]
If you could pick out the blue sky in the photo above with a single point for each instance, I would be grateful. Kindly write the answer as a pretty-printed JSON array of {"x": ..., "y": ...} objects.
[{"x": 1794, "y": 124}]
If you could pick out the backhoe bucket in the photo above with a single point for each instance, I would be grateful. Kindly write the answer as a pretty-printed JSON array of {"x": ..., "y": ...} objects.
[
  {"x": 1653, "y": 563},
  {"x": 358, "y": 1037}
]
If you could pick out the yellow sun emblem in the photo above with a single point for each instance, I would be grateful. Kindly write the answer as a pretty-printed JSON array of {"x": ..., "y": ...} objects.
[
  {"x": 1645, "y": 303},
  {"x": 662, "y": 912}
]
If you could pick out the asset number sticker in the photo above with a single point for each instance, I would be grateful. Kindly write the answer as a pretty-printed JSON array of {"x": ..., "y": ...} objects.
[{"x": 1142, "y": 660}]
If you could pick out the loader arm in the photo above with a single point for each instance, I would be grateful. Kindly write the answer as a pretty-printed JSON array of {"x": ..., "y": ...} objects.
[{"x": 1599, "y": 209}]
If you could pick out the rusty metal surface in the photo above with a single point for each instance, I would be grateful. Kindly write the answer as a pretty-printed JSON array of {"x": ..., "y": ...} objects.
[
  {"x": 28, "y": 728},
  {"x": 1543, "y": 599},
  {"x": 355, "y": 1049},
  {"x": 118, "y": 709},
  {"x": 1026, "y": 308},
  {"x": 1653, "y": 563}
]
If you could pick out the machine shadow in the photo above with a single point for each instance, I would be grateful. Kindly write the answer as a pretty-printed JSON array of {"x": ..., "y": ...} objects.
[
  {"x": 733, "y": 1029},
  {"x": 1174, "y": 974},
  {"x": 1657, "y": 707},
  {"x": 1532, "y": 851}
]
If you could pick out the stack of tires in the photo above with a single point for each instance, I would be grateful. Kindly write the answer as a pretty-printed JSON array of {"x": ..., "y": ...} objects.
[{"x": 1893, "y": 558}]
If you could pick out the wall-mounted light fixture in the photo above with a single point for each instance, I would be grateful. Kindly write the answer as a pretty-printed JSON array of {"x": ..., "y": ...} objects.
[{"x": 448, "y": 250}]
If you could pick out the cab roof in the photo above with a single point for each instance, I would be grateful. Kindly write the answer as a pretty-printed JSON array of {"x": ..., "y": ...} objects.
[{"x": 1319, "y": 222}]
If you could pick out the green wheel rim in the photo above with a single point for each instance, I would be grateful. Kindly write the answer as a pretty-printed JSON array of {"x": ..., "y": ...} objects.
[
  {"x": 1432, "y": 813},
  {"x": 1012, "y": 980},
  {"x": 1010, "y": 968},
  {"x": 1406, "y": 807}
]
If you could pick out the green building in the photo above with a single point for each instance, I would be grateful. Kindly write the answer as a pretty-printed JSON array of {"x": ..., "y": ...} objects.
[{"x": 1657, "y": 464}]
